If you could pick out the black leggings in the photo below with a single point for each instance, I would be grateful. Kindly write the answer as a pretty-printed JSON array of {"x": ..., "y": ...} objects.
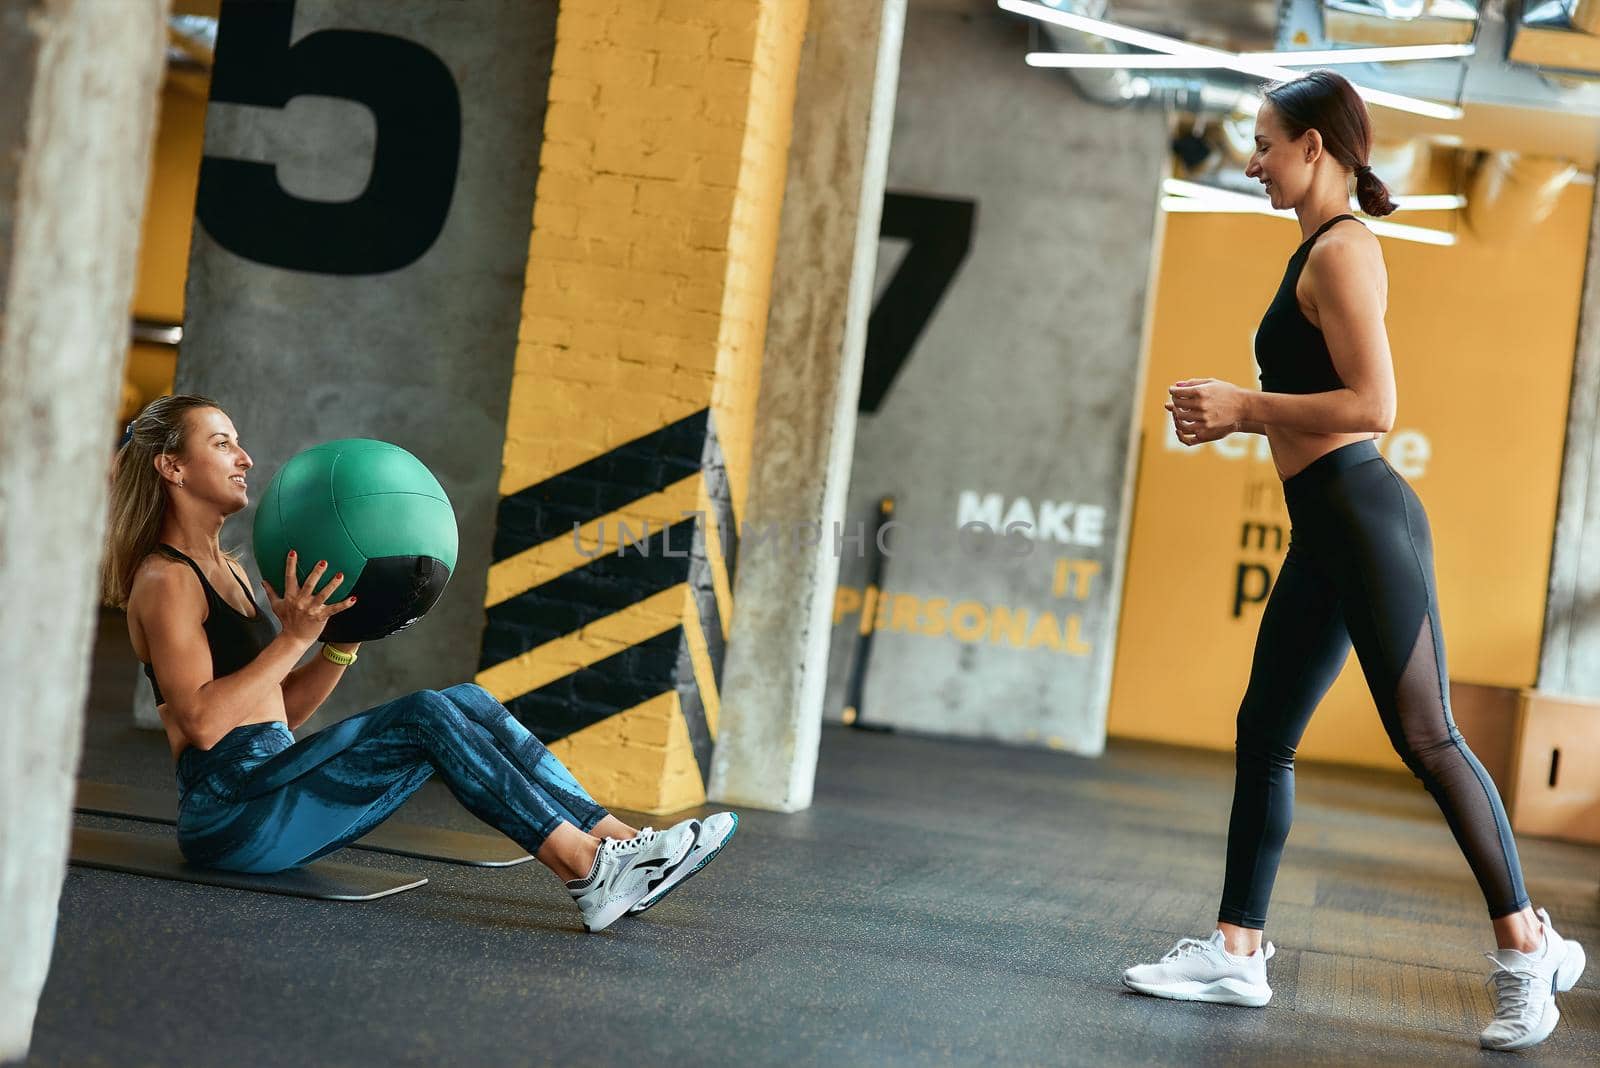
[{"x": 1359, "y": 571}]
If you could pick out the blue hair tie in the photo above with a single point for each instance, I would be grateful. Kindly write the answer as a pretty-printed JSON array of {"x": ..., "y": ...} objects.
[{"x": 127, "y": 435}]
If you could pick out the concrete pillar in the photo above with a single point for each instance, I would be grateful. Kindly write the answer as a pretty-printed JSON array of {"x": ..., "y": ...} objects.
[
  {"x": 777, "y": 666},
  {"x": 634, "y": 399},
  {"x": 77, "y": 119},
  {"x": 1569, "y": 657}
]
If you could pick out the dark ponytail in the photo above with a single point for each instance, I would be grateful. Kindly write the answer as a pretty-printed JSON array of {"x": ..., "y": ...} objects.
[
  {"x": 1324, "y": 101},
  {"x": 1372, "y": 194}
]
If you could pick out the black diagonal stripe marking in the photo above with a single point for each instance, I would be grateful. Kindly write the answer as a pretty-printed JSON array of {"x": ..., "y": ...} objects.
[
  {"x": 609, "y": 584},
  {"x": 705, "y": 599},
  {"x": 601, "y": 690},
  {"x": 720, "y": 492},
  {"x": 694, "y": 710},
  {"x": 598, "y": 487}
]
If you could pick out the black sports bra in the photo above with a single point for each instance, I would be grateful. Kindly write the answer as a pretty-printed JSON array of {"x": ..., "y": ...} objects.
[
  {"x": 1291, "y": 352},
  {"x": 235, "y": 639}
]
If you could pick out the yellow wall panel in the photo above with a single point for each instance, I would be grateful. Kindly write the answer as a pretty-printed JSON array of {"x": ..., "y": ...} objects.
[{"x": 1482, "y": 336}]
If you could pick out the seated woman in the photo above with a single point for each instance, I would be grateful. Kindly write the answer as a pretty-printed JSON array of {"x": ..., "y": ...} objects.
[{"x": 228, "y": 691}]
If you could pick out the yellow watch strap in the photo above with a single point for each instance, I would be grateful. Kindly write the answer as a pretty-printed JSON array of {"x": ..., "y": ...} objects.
[{"x": 337, "y": 656}]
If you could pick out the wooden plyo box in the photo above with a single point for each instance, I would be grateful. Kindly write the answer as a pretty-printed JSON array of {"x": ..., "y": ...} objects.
[
  {"x": 1555, "y": 776},
  {"x": 1487, "y": 717}
]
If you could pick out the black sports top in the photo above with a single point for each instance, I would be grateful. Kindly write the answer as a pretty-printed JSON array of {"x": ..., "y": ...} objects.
[
  {"x": 1291, "y": 352},
  {"x": 235, "y": 639}
]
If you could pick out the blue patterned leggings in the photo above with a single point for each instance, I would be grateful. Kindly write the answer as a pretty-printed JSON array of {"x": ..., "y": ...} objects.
[{"x": 259, "y": 801}]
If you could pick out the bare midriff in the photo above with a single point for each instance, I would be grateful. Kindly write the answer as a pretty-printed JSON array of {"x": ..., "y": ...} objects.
[
  {"x": 271, "y": 709},
  {"x": 1294, "y": 450}
]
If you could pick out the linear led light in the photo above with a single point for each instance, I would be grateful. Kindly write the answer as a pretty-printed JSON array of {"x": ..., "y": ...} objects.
[
  {"x": 1163, "y": 61},
  {"x": 1118, "y": 61},
  {"x": 1421, "y": 202},
  {"x": 1173, "y": 46},
  {"x": 1210, "y": 198},
  {"x": 1197, "y": 206},
  {"x": 1312, "y": 57},
  {"x": 1426, "y": 202},
  {"x": 1209, "y": 206}
]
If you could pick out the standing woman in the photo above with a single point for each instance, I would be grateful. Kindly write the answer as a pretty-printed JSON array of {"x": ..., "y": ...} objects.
[
  {"x": 230, "y": 687},
  {"x": 1359, "y": 570}
]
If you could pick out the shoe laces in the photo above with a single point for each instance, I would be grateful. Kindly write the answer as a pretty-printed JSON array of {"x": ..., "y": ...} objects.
[
  {"x": 631, "y": 845},
  {"x": 1513, "y": 988},
  {"x": 1185, "y": 947}
]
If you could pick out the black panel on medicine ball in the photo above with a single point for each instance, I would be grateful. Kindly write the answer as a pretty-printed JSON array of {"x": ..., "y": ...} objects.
[{"x": 392, "y": 593}]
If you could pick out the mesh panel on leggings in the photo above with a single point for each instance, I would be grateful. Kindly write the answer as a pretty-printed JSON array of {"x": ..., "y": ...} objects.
[
  {"x": 1437, "y": 754},
  {"x": 1419, "y": 697}
]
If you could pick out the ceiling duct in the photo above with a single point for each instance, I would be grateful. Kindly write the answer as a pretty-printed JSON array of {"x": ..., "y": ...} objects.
[
  {"x": 1399, "y": 22},
  {"x": 1484, "y": 78},
  {"x": 1219, "y": 93},
  {"x": 1216, "y": 92},
  {"x": 1561, "y": 109},
  {"x": 1512, "y": 192},
  {"x": 1233, "y": 98}
]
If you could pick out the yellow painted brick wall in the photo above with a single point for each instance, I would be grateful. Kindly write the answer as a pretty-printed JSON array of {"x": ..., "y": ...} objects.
[
  {"x": 654, "y": 235},
  {"x": 635, "y": 248}
]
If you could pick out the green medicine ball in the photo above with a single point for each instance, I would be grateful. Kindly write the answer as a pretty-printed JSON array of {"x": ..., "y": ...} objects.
[{"x": 374, "y": 512}]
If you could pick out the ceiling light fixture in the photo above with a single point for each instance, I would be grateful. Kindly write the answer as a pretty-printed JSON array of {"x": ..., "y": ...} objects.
[
  {"x": 1225, "y": 201},
  {"x": 1421, "y": 202},
  {"x": 1229, "y": 60},
  {"x": 1386, "y": 54},
  {"x": 1167, "y": 61}
]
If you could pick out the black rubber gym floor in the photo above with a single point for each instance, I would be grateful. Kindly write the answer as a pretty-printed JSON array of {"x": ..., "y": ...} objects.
[{"x": 942, "y": 903}]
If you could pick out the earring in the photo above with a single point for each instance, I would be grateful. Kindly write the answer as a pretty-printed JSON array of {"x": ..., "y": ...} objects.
[{"x": 181, "y": 483}]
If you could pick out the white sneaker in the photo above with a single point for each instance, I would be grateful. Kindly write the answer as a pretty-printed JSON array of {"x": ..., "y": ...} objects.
[
  {"x": 1200, "y": 970},
  {"x": 625, "y": 870},
  {"x": 1525, "y": 988},
  {"x": 715, "y": 830}
]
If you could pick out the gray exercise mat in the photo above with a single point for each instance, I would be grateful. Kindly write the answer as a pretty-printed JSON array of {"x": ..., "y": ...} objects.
[
  {"x": 141, "y": 854},
  {"x": 406, "y": 840}
]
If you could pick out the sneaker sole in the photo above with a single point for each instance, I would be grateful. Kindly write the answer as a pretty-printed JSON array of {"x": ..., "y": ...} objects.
[
  {"x": 1221, "y": 992},
  {"x": 1547, "y": 1024},
  {"x": 609, "y": 916},
  {"x": 645, "y": 906}
]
